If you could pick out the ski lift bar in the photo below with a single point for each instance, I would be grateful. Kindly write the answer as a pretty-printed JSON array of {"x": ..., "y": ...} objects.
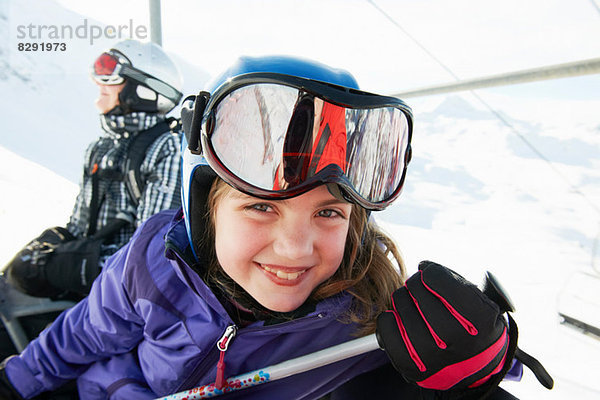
[
  {"x": 155, "y": 22},
  {"x": 282, "y": 370},
  {"x": 566, "y": 70}
]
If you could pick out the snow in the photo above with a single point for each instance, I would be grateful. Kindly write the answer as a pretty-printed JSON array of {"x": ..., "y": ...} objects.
[
  {"x": 477, "y": 198},
  {"x": 35, "y": 198},
  {"x": 519, "y": 197}
]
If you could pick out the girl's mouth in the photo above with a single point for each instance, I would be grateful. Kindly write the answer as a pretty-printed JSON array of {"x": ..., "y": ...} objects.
[
  {"x": 283, "y": 275},
  {"x": 290, "y": 276}
]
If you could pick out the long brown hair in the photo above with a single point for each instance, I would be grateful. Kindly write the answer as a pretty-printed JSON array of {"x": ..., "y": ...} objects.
[{"x": 371, "y": 268}]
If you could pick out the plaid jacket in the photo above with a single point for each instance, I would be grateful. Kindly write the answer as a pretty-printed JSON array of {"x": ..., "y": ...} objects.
[{"x": 160, "y": 170}]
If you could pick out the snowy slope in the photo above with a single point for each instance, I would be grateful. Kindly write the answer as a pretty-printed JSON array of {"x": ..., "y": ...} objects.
[
  {"x": 48, "y": 97},
  {"x": 34, "y": 198},
  {"x": 477, "y": 196}
]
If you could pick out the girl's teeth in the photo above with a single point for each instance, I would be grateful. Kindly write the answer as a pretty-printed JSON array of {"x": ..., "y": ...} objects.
[
  {"x": 284, "y": 275},
  {"x": 289, "y": 277}
]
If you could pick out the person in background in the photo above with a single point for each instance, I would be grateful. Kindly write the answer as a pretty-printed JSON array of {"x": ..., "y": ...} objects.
[{"x": 131, "y": 172}]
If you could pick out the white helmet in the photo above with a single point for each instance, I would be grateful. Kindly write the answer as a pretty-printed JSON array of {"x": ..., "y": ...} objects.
[{"x": 153, "y": 81}]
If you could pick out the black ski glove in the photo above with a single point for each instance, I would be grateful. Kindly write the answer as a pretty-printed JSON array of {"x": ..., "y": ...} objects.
[
  {"x": 444, "y": 334},
  {"x": 7, "y": 391}
]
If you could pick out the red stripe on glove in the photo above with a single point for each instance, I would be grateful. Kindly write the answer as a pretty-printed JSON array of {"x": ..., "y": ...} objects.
[
  {"x": 452, "y": 374},
  {"x": 462, "y": 320}
]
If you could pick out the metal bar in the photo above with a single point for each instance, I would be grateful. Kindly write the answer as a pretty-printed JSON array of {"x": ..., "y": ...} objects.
[
  {"x": 15, "y": 332},
  {"x": 41, "y": 308},
  {"x": 155, "y": 22},
  {"x": 576, "y": 68}
]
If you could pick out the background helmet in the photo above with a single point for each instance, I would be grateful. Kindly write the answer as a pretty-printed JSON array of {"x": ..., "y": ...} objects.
[
  {"x": 197, "y": 174},
  {"x": 153, "y": 82}
]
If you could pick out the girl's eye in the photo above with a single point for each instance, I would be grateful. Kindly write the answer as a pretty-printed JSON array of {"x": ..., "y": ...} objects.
[
  {"x": 329, "y": 213},
  {"x": 259, "y": 207}
]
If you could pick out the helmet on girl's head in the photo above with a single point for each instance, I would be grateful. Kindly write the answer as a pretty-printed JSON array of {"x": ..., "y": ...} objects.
[
  {"x": 286, "y": 65},
  {"x": 196, "y": 171},
  {"x": 152, "y": 81},
  {"x": 276, "y": 127}
]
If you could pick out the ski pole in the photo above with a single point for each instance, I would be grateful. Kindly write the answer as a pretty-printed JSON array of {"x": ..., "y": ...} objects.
[{"x": 282, "y": 370}]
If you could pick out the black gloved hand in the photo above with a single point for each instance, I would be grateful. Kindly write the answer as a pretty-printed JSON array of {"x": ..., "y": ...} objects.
[
  {"x": 443, "y": 333},
  {"x": 26, "y": 271}
]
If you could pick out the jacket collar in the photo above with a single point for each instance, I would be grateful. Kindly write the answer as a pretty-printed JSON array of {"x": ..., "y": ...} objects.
[{"x": 124, "y": 126}]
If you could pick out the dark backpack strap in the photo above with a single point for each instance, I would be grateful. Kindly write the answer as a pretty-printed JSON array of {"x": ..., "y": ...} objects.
[
  {"x": 94, "y": 202},
  {"x": 111, "y": 227},
  {"x": 135, "y": 156},
  {"x": 94, "y": 172}
]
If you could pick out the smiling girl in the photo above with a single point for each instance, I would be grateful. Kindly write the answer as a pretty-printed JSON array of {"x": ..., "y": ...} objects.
[{"x": 273, "y": 256}]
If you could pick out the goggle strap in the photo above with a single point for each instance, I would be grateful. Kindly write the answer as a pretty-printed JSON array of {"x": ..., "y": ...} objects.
[
  {"x": 157, "y": 85},
  {"x": 337, "y": 192},
  {"x": 199, "y": 106}
]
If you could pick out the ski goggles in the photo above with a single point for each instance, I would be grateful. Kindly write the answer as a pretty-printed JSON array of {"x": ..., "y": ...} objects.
[
  {"x": 110, "y": 68},
  {"x": 106, "y": 68},
  {"x": 277, "y": 136}
]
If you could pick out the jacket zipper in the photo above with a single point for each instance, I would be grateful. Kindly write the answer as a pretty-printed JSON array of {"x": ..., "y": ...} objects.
[
  {"x": 210, "y": 359},
  {"x": 223, "y": 345}
]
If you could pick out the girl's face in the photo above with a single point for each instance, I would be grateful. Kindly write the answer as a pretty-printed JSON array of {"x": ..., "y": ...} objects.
[{"x": 279, "y": 251}]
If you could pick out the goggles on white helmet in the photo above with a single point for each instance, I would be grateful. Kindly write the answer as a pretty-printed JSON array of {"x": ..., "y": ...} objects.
[{"x": 111, "y": 68}]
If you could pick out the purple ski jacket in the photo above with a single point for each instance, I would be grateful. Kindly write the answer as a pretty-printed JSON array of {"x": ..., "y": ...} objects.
[{"x": 150, "y": 326}]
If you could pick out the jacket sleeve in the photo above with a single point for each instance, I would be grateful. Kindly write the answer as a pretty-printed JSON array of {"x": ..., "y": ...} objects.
[
  {"x": 161, "y": 170},
  {"x": 98, "y": 381},
  {"x": 103, "y": 324}
]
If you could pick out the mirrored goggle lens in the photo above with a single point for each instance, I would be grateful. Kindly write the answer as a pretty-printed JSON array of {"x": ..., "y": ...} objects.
[
  {"x": 105, "y": 68},
  {"x": 105, "y": 64},
  {"x": 276, "y": 137}
]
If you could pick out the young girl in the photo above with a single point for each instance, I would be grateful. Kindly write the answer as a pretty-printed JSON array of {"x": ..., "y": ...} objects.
[{"x": 273, "y": 255}]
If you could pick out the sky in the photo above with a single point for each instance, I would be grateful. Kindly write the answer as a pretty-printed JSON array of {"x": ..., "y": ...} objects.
[
  {"x": 517, "y": 195},
  {"x": 387, "y": 44}
]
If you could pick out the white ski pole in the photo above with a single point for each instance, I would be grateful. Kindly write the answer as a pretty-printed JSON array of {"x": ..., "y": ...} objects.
[{"x": 282, "y": 370}]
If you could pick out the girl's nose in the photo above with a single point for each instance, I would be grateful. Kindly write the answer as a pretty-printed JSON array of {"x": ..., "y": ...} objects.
[{"x": 294, "y": 239}]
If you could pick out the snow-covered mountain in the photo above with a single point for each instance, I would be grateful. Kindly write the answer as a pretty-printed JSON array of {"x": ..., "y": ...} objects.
[
  {"x": 48, "y": 97},
  {"x": 518, "y": 196},
  {"x": 520, "y": 201}
]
